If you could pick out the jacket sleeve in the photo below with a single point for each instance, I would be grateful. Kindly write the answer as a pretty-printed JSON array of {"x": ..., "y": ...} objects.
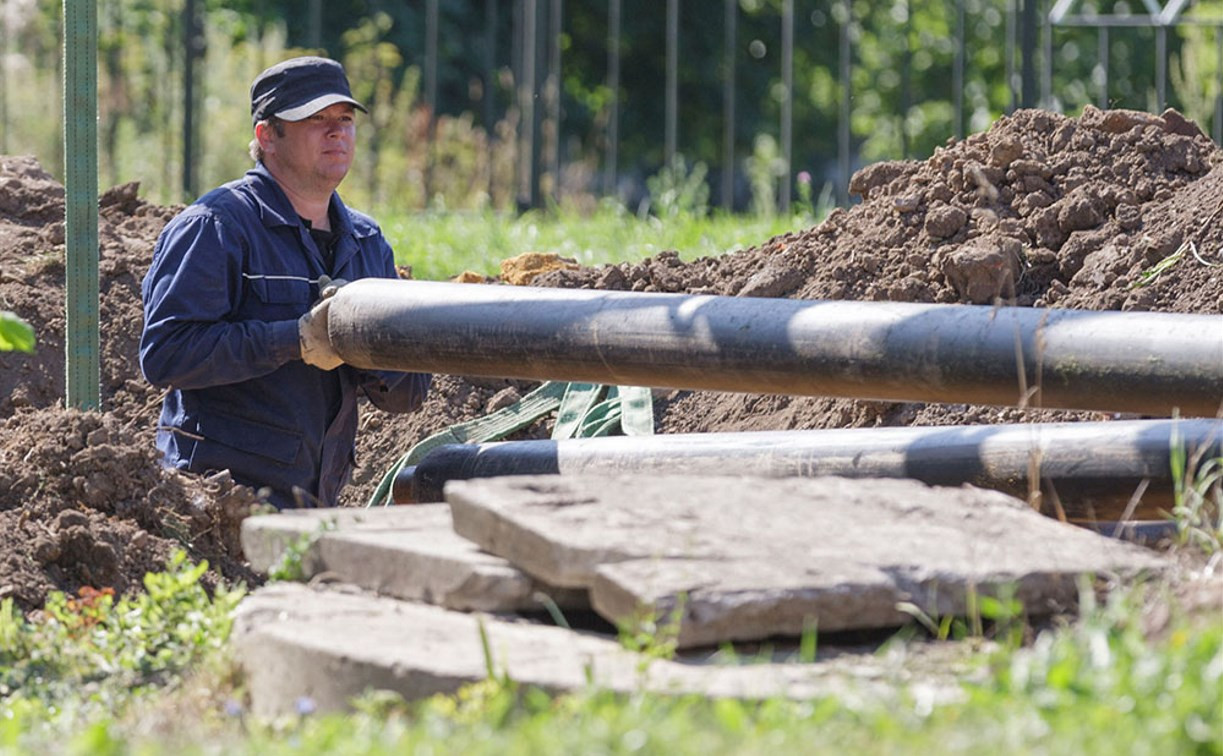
[{"x": 194, "y": 285}]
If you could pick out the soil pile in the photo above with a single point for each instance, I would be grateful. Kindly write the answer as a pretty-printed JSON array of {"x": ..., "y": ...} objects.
[
  {"x": 1041, "y": 210},
  {"x": 82, "y": 498}
]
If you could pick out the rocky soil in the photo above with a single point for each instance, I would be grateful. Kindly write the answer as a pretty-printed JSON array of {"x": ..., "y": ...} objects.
[{"x": 1040, "y": 210}]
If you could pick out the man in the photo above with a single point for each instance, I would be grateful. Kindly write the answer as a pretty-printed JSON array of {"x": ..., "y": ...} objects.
[{"x": 235, "y": 303}]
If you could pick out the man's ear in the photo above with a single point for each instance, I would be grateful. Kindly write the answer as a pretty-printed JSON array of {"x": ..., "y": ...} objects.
[{"x": 266, "y": 135}]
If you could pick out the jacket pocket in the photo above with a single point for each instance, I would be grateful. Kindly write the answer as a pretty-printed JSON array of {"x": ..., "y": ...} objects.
[
  {"x": 251, "y": 436},
  {"x": 282, "y": 290}
]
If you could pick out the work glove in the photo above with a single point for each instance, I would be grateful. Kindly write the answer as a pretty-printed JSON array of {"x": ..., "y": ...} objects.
[
  {"x": 327, "y": 286},
  {"x": 312, "y": 328}
]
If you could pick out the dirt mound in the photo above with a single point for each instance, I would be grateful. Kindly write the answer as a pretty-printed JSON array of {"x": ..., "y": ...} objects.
[
  {"x": 1039, "y": 210},
  {"x": 32, "y": 285},
  {"x": 1112, "y": 210},
  {"x": 84, "y": 502},
  {"x": 82, "y": 498}
]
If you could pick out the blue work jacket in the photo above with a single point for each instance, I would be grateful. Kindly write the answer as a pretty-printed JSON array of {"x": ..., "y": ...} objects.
[{"x": 230, "y": 276}]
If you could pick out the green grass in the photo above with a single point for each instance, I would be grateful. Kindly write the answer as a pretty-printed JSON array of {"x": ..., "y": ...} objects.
[
  {"x": 439, "y": 246},
  {"x": 107, "y": 677}
]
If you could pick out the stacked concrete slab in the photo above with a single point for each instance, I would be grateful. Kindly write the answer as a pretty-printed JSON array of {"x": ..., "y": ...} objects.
[
  {"x": 768, "y": 558},
  {"x": 721, "y": 560},
  {"x": 410, "y": 553}
]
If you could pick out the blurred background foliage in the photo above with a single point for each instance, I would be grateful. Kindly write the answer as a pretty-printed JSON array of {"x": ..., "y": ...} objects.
[{"x": 465, "y": 151}]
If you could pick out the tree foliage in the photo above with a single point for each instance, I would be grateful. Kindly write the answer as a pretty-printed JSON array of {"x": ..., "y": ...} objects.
[{"x": 462, "y": 148}]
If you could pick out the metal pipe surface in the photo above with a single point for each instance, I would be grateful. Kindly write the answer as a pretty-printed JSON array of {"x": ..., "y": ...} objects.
[
  {"x": 1093, "y": 468},
  {"x": 1139, "y": 362}
]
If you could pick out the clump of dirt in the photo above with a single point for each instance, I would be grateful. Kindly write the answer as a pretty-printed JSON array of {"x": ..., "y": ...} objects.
[
  {"x": 83, "y": 502},
  {"x": 1040, "y": 210}
]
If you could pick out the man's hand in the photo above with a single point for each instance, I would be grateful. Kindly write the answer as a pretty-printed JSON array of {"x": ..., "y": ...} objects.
[
  {"x": 312, "y": 332},
  {"x": 328, "y": 286}
]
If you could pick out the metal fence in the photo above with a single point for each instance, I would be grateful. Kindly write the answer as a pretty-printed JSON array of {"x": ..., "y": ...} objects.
[
  {"x": 1030, "y": 41},
  {"x": 1035, "y": 33}
]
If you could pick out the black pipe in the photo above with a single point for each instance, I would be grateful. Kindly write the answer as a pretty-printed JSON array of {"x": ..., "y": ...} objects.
[
  {"x": 1093, "y": 468},
  {"x": 1140, "y": 362}
]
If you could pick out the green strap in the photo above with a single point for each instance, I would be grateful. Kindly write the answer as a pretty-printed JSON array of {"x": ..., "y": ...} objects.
[
  {"x": 626, "y": 409},
  {"x": 603, "y": 418},
  {"x": 584, "y": 410},
  {"x": 579, "y": 399},
  {"x": 636, "y": 411},
  {"x": 499, "y": 424}
]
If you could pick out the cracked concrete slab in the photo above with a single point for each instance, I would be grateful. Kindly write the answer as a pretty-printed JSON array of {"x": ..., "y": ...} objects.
[
  {"x": 321, "y": 646},
  {"x": 409, "y": 553},
  {"x": 746, "y": 559}
]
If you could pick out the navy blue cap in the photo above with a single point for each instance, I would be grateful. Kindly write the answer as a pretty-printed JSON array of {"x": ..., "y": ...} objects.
[{"x": 298, "y": 88}]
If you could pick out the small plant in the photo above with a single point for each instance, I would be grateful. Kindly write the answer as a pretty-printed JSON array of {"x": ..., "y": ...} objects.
[
  {"x": 764, "y": 168},
  {"x": 650, "y": 634},
  {"x": 291, "y": 566},
  {"x": 1149, "y": 275},
  {"x": 91, "y": 655},
  {"x": 1166, "y": 688},
  {"x": 1003, "y": 611},
  {"x": 1197, "y": 491},
  {"x": 676, "y": 191},
  {"x": 808, "y": 645}
]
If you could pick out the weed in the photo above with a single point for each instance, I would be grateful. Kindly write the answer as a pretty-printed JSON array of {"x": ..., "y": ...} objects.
[
  {"x": 650, "y": 634},
  {"x": 808, "y": 643},
  {"x": 1149, "y": 275},
  {"x": 1104, "y": 670},
  {"x": 1003, "y": 612},
  {"x": 89, "y": 656},
  {"x": 293, "y": 564},
  {"x": 1197, "y": 493},
  {"x": 1100, "y": 685},
  {"x": 677, "y": 191},
  {"x": 554, "y": 610}
]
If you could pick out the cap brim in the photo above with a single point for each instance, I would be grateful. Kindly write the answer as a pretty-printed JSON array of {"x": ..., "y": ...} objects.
[{"x": 313, "y": 106}]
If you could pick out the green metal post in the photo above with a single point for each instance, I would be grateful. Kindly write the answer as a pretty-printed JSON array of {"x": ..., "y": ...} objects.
[
  {"x": 787, "y": 106},
  {"x": 671, "y": 111},
  {"x": 81, "y": 202},
  {"x": 729, "y": 36},
  {"x": 3, "y": 85},
  {"x": 613, "y": 108}
]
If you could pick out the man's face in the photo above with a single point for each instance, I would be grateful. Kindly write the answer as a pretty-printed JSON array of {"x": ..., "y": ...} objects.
[{"x": 315, "y": 153}]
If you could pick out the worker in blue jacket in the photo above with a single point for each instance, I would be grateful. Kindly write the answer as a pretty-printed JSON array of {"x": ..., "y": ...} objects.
[{"x": 235, "y": 303}]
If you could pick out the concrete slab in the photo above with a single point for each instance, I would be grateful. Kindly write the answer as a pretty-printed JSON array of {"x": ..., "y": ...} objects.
[
  {"x": 410, "y": 553},
  {"x": 324, "y": 645},
  {"x": 752, "y": 558}
]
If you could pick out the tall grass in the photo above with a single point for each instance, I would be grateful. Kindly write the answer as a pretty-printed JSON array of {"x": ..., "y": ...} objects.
[{"x": 439, "y": 246}]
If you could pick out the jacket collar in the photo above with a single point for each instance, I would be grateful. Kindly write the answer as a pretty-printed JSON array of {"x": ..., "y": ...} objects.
[{"x": 276, "y": 210}]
